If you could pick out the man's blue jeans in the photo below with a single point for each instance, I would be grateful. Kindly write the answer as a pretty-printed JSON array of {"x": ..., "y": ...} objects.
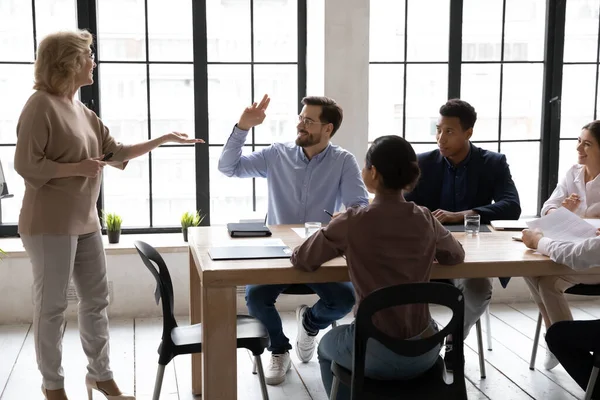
[
  {"x": 335, "y": 301},
  {"x": 381, "y": 363}
]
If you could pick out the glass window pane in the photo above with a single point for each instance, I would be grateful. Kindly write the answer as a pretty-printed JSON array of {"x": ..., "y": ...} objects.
[
  {"x": 170, "y": 30},
  {"x": 275, "y": 30},
  {"x": 522, "y": 101},
  {"x": 482, "y": 30},
  {"x": 228, "y": 95},
  {"x": 230, "y": 198},
  {"x": 581, "y": 30},
  {"x": 281, "y": 83},
  {"x": 428, "y": 30},
  {"x": 577, "y": 106},
  {"x": 423, "y": 148},
  {"x": 480, "y": 87},
  {"x": 16, "y": 31},
  {"x": 127, "y": 192},
  {"x": 228, "y": 30},
  {"x": 121, "y": 30},
  {"x": 386, "y": 88},
  {"x": 123, "y": 99},
  {"x": 173, "y": 184},
  {"x": 523, "y": 160},
  {"x": 16, "y": 80},
  {"x": 426, "y": 91},
  {"x": 386, "y": 30},
  {"x": 567, "y": 157},
  {"x": 54, "y": 15},
  {"x": 11, "y": 207},
  {"x": 524, "y": 31},
  {"x": 315, "y": 46},
  {"x": 172, "y": 99}
]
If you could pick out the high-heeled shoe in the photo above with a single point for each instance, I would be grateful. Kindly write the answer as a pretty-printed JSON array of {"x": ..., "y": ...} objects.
[{"x": 93, "y": 385}]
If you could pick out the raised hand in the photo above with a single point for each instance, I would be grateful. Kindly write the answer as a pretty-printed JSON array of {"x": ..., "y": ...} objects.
[
  {"x": 254, "y": 115},
  {"x": 178, "y": 137},
  {"x": 91, "y": 167},
  {"x": 572, "y": 202}
]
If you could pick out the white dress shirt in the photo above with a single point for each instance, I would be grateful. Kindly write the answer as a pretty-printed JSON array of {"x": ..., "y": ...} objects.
[
  {"x": 574, "y": 182},
  {"x": 581, "y": 255}
]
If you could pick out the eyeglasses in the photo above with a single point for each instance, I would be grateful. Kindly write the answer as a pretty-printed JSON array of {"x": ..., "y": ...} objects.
[{"x": 308, "y": 122}]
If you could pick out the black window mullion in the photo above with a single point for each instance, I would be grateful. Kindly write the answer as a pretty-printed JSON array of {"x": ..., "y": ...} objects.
[
  {"x": 149, "y": 114},
  {"x": 501, "y": 92},
  {"x": 302, "y": 47},
  {"x": 597, "y": 70},
  {"x": 201, "y": 109},
  {"x": 405, "y": 68},
  {"x": 252, "y": 93},
  {"x": 90, "y": 95},
  {"x": 552, "y": 92},
  {"x": 34, "y": 24},
  {"x": 455, "y": 49}
]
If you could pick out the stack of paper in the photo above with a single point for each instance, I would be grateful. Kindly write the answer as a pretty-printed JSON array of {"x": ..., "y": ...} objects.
[{"x": 563, "y": 225}]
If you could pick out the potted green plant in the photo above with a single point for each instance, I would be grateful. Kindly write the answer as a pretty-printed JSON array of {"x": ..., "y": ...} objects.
[
  {"x": 190, "y": 219},
  {"x": 113, "y": 227}
]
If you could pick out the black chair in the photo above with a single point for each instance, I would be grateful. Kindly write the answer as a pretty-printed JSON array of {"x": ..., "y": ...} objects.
[
  {"x": 581, "y": 290},
  {"x": 176, "y": 340},
  {"x": 430, "y": 385},
  {"x": 593, "y": 377}
]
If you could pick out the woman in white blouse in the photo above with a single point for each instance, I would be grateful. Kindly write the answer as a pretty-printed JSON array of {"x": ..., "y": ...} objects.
[{"x": 578, "y": 192}]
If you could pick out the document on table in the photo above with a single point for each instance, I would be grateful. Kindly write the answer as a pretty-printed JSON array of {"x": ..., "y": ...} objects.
[
  {"x": 250, "y": 242},
  {"x": 563, "y": 225}
]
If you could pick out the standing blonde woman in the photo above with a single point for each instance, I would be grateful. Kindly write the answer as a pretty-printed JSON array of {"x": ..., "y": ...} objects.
[{"x": 59, "y": 152}]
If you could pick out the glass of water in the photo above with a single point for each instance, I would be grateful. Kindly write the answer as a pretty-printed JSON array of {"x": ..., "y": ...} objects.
[
  {"x": 310, "y": 228},
  {"x": 472, "y": 223}
]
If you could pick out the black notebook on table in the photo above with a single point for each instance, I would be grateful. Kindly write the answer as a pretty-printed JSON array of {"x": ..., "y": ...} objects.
[{"x": 248, "y": 229}]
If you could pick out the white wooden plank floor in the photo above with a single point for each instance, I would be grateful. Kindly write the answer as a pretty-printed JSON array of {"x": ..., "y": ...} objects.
[{"x": 134, "y": 359}]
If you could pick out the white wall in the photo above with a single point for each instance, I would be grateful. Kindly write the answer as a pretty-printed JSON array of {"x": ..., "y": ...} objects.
[
  {"x": 346, "y": 66},
  {"x": 133, "y": 289}
]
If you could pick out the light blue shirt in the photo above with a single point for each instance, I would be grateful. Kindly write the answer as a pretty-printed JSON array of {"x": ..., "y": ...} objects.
[{"x": 299, "y": 188}]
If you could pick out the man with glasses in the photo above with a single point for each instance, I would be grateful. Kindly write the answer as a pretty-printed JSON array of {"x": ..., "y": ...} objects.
[{"x": 304, "y": 178}]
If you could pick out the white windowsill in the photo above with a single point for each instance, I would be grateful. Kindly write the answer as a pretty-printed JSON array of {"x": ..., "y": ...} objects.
[{"x": 163, "y": 242}]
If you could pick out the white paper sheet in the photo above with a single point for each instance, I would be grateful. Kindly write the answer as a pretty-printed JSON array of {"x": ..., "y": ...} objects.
[
  {"x": 563, "y": 225},
  {"x": 250, "y": 242}
]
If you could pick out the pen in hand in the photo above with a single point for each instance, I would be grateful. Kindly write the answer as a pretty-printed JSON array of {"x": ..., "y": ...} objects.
[{"x": 328, "y": 213}]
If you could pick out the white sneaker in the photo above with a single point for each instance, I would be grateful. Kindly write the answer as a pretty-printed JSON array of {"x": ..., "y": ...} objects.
[
  {"x": 280, "y": 364},
  {"x": 550, "y": 361},
  {"x": 305, "y": 343}
]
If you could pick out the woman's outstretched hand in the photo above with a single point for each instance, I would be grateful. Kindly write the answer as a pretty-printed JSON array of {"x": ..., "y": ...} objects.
[{"x": 183, "y": 138}]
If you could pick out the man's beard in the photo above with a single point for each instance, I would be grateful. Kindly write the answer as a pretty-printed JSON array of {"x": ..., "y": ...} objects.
[{"x": 306, "y": 140}]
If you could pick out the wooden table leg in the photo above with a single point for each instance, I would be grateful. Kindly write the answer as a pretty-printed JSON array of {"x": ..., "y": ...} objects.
[
  {"x": 195, "y": 318},
  {"x": 219, "y": 352}
]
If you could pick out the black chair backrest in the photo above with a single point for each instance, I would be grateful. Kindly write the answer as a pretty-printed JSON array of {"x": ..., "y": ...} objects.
[
  {"x": 163, "y": 283},
  {"x": 405, "y": 294}
]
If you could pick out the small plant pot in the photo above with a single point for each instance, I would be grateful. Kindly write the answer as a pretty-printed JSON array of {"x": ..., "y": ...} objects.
[
  {"x": 185, "y": 234},
  {"x": 113, "y": 236}
]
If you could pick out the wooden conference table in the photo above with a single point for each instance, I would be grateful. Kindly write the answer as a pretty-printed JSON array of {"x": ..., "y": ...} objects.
[{"x": 213, "y": 289}]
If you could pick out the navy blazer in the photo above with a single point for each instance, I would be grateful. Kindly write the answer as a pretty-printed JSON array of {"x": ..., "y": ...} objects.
[{"x": 488, "y": 179}]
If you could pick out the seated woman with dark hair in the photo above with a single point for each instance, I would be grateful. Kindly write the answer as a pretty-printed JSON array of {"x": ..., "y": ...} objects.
[{"x": 389, "y": 242}]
